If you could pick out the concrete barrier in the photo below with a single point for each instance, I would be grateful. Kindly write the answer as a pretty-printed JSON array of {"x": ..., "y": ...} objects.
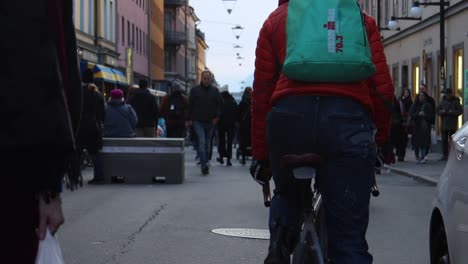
[{"x": 143, "y": 160}]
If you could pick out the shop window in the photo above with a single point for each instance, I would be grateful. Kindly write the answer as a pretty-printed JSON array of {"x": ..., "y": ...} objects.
[
  {"x": 458, "y": 80},
  {"x": 416, "y": 78}
]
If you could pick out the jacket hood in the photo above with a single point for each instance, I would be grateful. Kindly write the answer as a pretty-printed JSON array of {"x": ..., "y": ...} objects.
[{"x": 282, "y": 2}]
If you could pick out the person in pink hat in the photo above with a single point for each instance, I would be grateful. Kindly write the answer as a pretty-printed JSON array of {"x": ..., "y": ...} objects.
[
  {"x": 119, "y": 122},
  {"x": 120, "y": 118}
]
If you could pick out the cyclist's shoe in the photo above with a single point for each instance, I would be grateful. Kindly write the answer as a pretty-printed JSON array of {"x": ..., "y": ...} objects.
[{"x": 278, "y": 252}]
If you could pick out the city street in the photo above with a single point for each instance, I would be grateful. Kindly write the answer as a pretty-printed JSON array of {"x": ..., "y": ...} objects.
[{"x": 171, "y": 224}]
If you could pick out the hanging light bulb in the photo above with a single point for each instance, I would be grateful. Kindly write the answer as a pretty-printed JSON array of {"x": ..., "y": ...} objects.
[
  {"x": 237, "y": 49},
  {"x": 229, "y": 5},
  {"x": 237, "y": 31}
]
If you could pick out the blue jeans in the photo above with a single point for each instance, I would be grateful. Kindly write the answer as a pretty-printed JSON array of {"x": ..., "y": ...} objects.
[
  {"x": 204, "y": 131},
  {"x": 342, "y": 132}
]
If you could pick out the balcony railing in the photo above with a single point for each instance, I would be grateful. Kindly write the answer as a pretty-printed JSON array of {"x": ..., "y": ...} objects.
[
  {"x": 174, "y": 38},
  {"x": 175, "y": 2}
]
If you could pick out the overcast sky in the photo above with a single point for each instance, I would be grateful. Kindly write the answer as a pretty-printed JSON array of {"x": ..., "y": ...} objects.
[{"x": 217, "y": 25}]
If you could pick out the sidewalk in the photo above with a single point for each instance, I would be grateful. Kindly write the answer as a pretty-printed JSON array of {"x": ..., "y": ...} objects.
[{"x": 428, "y": 172}]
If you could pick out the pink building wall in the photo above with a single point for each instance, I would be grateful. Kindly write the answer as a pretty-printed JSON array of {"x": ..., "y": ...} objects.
[{"x": 133, "y": 13}]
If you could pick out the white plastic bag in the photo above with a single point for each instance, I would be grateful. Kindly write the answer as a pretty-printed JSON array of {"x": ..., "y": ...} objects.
[
  {"x": 49, "y": 251},
  {"x": 433, "y": 137}
]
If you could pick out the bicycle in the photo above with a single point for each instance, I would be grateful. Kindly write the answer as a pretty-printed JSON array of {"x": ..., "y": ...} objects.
[{"x": 312, "y": 244}]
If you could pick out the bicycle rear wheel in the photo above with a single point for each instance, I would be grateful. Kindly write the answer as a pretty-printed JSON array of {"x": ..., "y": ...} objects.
[
  {"x": 302, "y": 254},
  {"x": 320, "y": 224}
]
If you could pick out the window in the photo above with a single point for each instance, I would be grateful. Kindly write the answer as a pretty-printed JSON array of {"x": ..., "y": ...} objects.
[
  {"x": 395, "y": 8},
  {"x": 387, "y": 11},
  {"x": 404, "y": 7},
  {"x": 141, "y": 40},
  {"x": 144, "y": 44},
  {"x": 90, "y": 17},
  {"x": 123, "y": 31},
  {"x": 136, "y": 41},
  {"x": 133, "y": 35},
  {"x": 112, "y": 22},
  {"x": 128, "y": 33},
  {"x": 82, "y": 13},
  {"x": 105, "y": 19}
]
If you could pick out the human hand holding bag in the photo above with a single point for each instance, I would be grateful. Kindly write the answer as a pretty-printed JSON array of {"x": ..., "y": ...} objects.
[{"x": 49, "y": 251}]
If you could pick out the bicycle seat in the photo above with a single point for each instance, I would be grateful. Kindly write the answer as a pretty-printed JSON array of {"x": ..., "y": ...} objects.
[
  {"x": 301, "y": 160},
  {"x": 303, "y": 165}
]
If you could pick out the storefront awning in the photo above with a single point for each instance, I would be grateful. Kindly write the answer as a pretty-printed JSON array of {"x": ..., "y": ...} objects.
[
  {"x": 103, "y": 73},
  {"x": 120, "y": 77}
]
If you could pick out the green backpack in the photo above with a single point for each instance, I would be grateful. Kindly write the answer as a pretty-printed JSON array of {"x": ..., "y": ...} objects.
[{"x": 326, "y": 41}]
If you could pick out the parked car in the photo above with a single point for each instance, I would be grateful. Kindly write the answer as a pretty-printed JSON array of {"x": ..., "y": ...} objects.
[{"x": 448, "y": 233}]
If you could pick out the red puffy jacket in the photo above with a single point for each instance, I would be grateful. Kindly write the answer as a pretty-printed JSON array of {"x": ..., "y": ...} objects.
[{"x": 271, "y": 85}]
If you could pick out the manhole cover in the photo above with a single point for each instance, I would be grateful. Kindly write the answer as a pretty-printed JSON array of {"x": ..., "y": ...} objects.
[{"x": 243, "y": 232}]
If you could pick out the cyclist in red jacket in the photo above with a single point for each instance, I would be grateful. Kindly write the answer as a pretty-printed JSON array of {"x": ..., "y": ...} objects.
[{"x": 342, "y": 122}]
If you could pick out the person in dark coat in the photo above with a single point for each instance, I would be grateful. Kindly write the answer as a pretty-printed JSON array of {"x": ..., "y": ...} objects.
[
  {"x": 90, "y": 132},
  {"x": 40, "y": 109},
  {"x": 204, "y": 111},
  {"x": 448, "y": 109},
  {"x": 226, "y": 127},
  {"x": 422, "y": 115},
  {"x": 245, "y": 123},
  {"x": 174, "y": 109},
  {"x": 400, "y": 130},
  {"x": 147, "y": 110},
  {"x": 423, "y": 88}
]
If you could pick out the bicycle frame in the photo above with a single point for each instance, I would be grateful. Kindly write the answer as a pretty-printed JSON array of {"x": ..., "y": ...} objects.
[{"x": 309, "y": 247}]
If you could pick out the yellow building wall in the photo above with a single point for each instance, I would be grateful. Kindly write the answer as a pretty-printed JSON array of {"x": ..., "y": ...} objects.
[
  {"x": 157, "y": 39},
  {"x": 201, "y": 58}
]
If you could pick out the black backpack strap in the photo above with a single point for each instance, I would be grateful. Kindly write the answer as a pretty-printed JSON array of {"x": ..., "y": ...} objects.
[{"x": 387, "y": 104}]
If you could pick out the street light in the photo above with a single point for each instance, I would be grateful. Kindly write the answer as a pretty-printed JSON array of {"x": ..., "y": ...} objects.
[
  {"x": 229, "y": 5},
  {"x": 237, "y": 31},
  {"x": 393, "y": 24},
  {"x": 417, "y": 12}
]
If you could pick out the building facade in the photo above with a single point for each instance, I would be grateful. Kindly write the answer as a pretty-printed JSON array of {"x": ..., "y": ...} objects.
[
  {"x": 96, "y": 40},
  {"x": 157, "y": 44},
  {"x": 413, "y": 52},
  {"x": 191, "y": 48},
  {"x": 201, "y": 54},
  {"x": 175, "y": 41},
  {"x": 133, "y": 39}
]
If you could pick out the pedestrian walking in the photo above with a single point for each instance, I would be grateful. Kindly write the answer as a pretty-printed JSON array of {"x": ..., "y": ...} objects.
[
  {"x": 430, "y": 99},
  {"x": 91, "y": 127},
  {"x": 449, "y": 109},
  {"x": 40, "y": 115},
  {"x": 245, "y": 124},
  {"x": 204, "y": 112},
  {"x": 335, "y": 120},
  {"x": 146, "y": 108},
  {"x": 226, "y": 126},
  {"x": 422, "y": 115},
  {"x": 174, "y": 108},
  {"x": 401, "y": 133}
]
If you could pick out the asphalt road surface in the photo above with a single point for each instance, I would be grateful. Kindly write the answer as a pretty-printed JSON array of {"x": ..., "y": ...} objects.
[{"x": 171, "y": 224}]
